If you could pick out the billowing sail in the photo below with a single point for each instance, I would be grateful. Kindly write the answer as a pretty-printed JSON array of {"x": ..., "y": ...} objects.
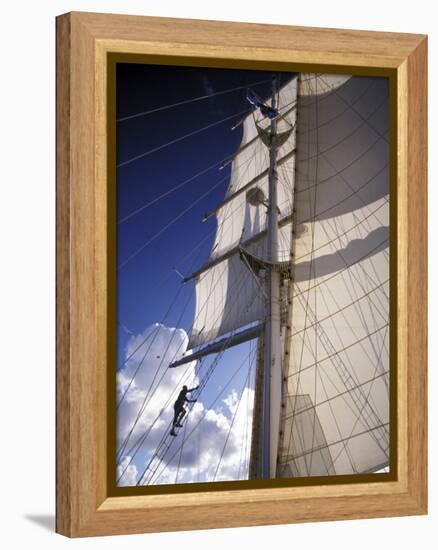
[
  {"x": 228, "y": 295},
  {"x": 336, "y": 398}
]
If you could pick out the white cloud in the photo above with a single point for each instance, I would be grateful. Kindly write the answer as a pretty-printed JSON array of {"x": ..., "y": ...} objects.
[
  {"x": 127, "y": 472},
  {"x": 157, "y": 347},
  {"x": 198, "y": 458},
  {"x": 215, "y": 440},
  {"x": 232, "y": 401}
]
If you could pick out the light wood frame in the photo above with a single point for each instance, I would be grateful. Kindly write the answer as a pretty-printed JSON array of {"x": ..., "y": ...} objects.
[{"x": 84, "y": 41}]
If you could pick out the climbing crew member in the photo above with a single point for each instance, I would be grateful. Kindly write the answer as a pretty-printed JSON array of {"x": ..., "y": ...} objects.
[{"x": 179, "y": 407}]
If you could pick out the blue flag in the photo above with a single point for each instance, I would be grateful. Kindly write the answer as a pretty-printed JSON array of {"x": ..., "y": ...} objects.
[
  {"x": 266, "y": 110},
  {"x": 252, "y": 98}
]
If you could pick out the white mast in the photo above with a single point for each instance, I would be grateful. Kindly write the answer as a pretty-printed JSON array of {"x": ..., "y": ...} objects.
[
  {"x": 272, "y": 359},
  {"x": 253, "y": 238}
]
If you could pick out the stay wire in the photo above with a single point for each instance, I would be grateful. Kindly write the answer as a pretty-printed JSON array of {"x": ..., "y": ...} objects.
[
  {"x": 180, "y": 138},
  {"x": 245, "y": 383},
  {"x": 187, "y": 101},
  {"x": 144, "y": 404},
  {"x": 203, "y": 383},
  {"x": 176, "y": 218},
  {"x": 180, "y": 185},
  {"x": 182, "y": 260},
  {"x": 222, "y": 391}
]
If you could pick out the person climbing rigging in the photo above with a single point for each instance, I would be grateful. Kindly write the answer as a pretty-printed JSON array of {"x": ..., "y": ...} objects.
[{"x": 180, "y": 411}]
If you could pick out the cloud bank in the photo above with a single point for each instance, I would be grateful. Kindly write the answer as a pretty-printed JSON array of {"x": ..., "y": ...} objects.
[{"x": 214, "y": 443}]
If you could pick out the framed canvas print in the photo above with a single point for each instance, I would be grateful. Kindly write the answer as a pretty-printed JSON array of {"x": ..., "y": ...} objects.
[{"x": 241, "y": 274}]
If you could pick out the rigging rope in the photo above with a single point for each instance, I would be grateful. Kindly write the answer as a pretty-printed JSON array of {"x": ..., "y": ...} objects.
[
  {"x": 229, "y": 214},
  {"x": 173, "y": 302},
  {"x": 201, "y": 387},
  {"x": 375, "y": 377},
  {"x": 169, "y": 309},
  {"x": 135, "y": 448},
  {"x": 176, "y": 218},
  {"x": 167, "y": 193},
  {"x": 178, "y": 139},
  {"x": 315, "y": 326},
  {"x": 219, "y": 164},
  {"x": 359, "y": 114},
  {"x": 212, "y": 404},
  {"x": 186, "y": 101},
  {"x": 150, "y": 345},
  {"x": 245, "y": 383},
  {"x": 180, "y": 454},
  {"x": 144, "y": 404},
  {"x": 364, "y": 287},
  {"x": 217, "y": 359},
  {"x": 311, "y": 265},
  {"x": 199, "y": 199}
]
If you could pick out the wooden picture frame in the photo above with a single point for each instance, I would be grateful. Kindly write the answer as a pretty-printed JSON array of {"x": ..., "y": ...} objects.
[{"x": 85, "y": 42}]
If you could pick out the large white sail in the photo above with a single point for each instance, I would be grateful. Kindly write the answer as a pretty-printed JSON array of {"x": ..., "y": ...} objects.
[
  {"x": 336, "y": 395},
  {"x": 228, "y": 296}
]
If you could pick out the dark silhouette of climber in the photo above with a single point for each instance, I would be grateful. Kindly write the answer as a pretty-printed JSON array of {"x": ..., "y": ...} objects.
[{"x": 180, "y": 411}]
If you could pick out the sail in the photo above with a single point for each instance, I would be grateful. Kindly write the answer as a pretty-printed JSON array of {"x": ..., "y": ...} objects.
[
  {"x": 336, "y": 405},
  {"x": 228, "y": 294}
]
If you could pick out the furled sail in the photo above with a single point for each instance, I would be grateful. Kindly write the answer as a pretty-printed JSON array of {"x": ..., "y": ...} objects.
[
  {"x": 336, "y": 396},
  {"x": 228, "y": 295}
]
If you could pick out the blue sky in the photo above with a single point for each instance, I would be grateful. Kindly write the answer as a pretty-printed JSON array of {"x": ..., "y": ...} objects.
[
  {"x": 153, "y": 242},
  {"x": 142, "y": 88}
]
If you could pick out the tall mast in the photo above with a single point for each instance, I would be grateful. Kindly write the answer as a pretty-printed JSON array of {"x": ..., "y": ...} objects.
[{"x": 272, "y": 354}]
